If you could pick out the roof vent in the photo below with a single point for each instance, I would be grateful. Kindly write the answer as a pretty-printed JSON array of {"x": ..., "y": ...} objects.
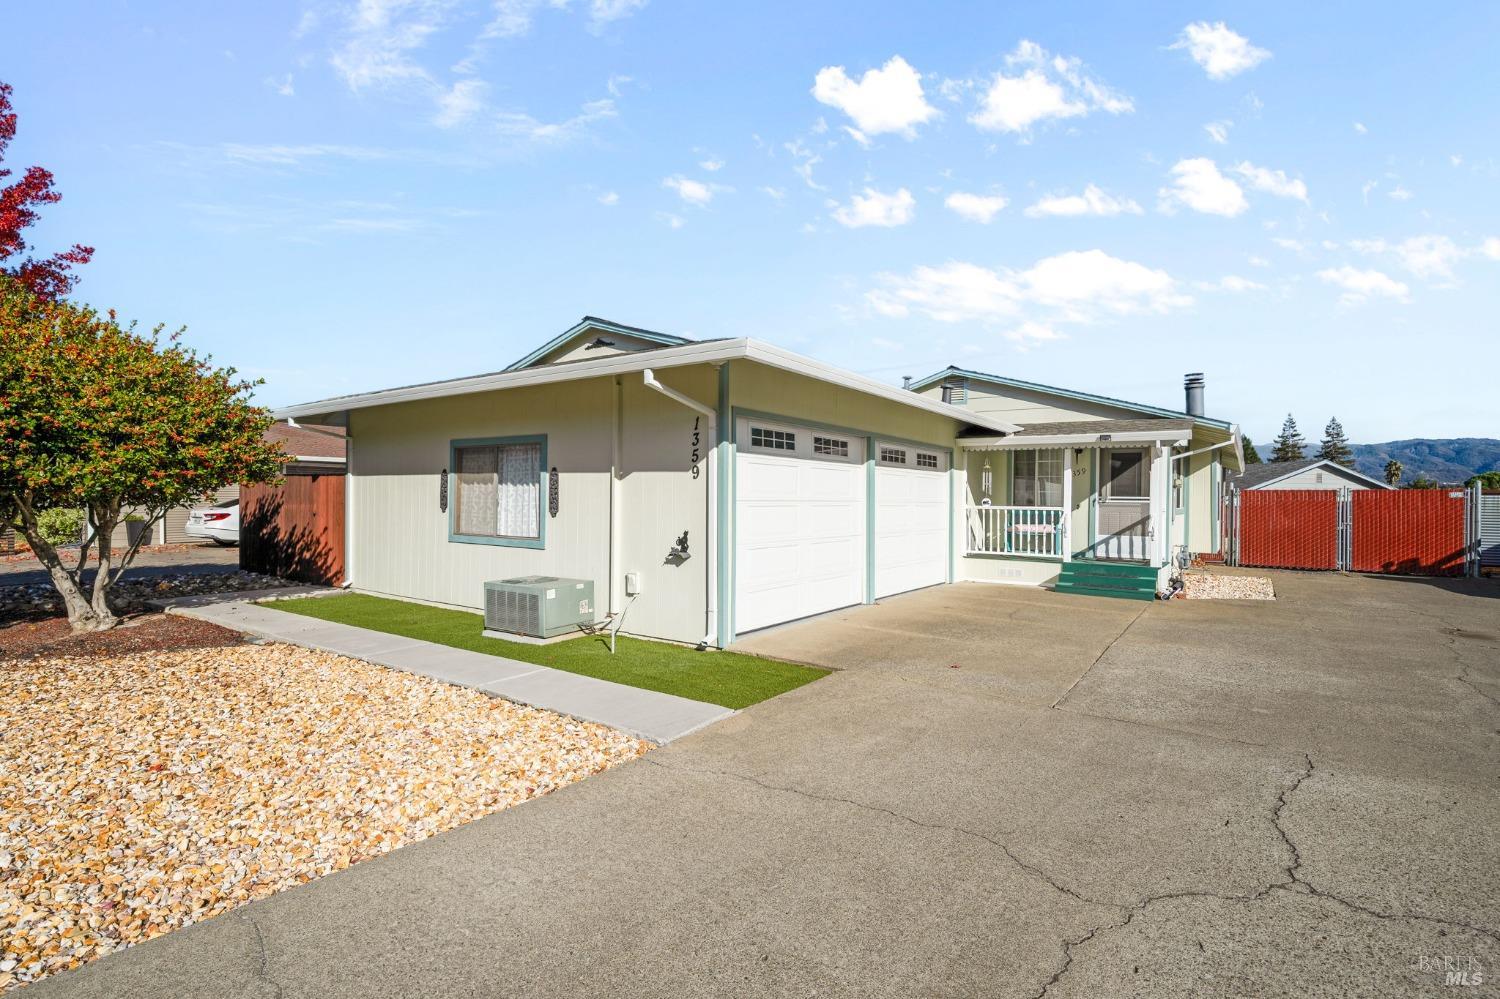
[{"x": 1193, "y": 385}]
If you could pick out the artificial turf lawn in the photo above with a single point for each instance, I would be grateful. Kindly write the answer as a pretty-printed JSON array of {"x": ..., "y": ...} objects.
[{"x": 732, "y": 679}]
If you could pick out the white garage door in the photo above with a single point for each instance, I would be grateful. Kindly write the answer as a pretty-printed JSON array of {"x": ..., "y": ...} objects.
[
  {"x": 912, "y": 499},
  {"x": 800, "y": 522}
]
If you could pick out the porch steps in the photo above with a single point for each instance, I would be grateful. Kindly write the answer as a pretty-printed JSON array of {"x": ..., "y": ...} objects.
[{"x": 1107, "y": 579}]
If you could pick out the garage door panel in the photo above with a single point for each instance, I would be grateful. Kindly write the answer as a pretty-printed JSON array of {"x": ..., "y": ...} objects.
[
  {"x": 911, "y": 529},
  {"x": 800, "y": 537}
]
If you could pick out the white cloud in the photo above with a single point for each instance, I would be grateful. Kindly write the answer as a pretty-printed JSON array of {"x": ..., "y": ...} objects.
[
  {"x": 805, "y": 159},
  {"x": 1287, "y": 243},
  {"x": 671, "y": 221},
  {"x": 1430, "y": 257},
  {"x": 774, "y": 193},
  {"x": 1491, "y": 248},
  {"x": 519, "y": 125},
  {"x": 876, "y": 208},
  {"x": 1031, "y": 332},
  {"x": 884, "y": 100},
  {"x": 1360, "y": 286},
  {"x": 1359, "y": 127},
  {"x": 1233, "y": 283},
  {"x": 1218, "y": 131},
  {"x": 1047, "y": 87},
  {"x": 712, "y": 165},
  {"x": 1198, "y": 184},
  {"x": 603, "y": 12},
  {"x": 1399, "y": 193},
  {"x": 1077, "y": 286},
  {"x": 609, "y": 198},
  {"x": 694, "y": 192},
  {"x": 976, "y": 207},
  {"x": 381, "y": 37},
  {"x": 1272, "y": 181},
  {"x": 282, "y": 86},
  {"x": 1366, "y": 188},
  {"x": 1258, "y": 261},
  {"x": 1221, "y": 51},
  {"x": 1093, "y": 201},
  {"x": 460, "y": 102}
]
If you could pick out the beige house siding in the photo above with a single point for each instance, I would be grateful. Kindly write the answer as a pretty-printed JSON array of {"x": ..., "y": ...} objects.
[
  {"x": 1319, "y": 478},
  {"x": 1024, "y": 406}
]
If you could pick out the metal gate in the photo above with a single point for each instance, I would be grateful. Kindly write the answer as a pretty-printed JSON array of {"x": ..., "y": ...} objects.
[{"x": 1437, "y": 532}]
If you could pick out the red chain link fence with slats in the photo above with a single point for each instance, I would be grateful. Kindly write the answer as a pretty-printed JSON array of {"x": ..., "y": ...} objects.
[
  {"x": 1414, "y": 532},
  {"x": 1289, "y": 528}
]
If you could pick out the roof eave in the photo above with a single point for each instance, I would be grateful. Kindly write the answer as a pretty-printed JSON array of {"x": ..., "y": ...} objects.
[{"x": 594, "y": 322}]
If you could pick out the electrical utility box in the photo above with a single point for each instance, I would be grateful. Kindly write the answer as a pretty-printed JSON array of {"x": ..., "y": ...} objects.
[{"x": 538, "y": 606}]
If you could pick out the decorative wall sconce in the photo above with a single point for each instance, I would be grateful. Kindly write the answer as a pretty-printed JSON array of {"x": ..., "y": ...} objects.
[
  {"x": 552, "y": 491},
  {"x": 443, "y": 490}
]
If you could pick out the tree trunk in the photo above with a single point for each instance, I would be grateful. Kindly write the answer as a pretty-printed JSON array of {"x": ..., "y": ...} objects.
[
  {"x": 82, "y": 615},
  {"x": 106, "y": 518}
]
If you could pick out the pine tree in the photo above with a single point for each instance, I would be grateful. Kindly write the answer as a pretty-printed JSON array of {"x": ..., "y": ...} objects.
[
  {"x": 1252, "y": 456},
  {"x": 1393, "y": 472},
  {"x": 1335, "y": 446},
  {"x": 1288, "y": 445}
]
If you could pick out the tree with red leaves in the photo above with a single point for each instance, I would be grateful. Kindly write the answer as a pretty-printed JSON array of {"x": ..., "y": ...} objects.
[{"x": 51, "y": 278}]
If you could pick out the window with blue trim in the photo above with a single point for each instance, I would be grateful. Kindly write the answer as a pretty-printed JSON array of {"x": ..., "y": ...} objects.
[{"x": 498, "y": 491}]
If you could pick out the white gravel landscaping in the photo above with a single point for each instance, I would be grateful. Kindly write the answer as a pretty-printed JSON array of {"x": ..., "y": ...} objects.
[
  {"x": 142, "y": 793},
  {"x": 1216, "y": 586}
]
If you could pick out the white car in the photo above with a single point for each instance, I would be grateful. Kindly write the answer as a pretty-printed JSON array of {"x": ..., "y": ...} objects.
[{"x": 219, "y": 524}]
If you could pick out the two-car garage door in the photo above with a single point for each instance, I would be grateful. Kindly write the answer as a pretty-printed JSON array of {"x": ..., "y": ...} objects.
[{"x": 802, "y": 516}]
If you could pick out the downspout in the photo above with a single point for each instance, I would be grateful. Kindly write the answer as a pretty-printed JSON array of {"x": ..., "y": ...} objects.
[
  {"x": 349, "y": 509},
  {"x": 711, "y": 631},
  {"x": 615, "y": 497}
]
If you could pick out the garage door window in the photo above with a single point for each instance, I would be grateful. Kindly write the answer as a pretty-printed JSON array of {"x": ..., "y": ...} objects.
[
  {"x": 832, "y": 446},
  {"x": 498, "y": 491},
  {"x": 893, "y": 455},
  {"x": 773, "y": 440},
  {"x": 927, "y": 460}
]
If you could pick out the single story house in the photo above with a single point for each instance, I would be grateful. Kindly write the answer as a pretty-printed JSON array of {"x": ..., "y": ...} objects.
[
  {"x": 1309, "y": 473},
  {"x": 711, "y": 488}
]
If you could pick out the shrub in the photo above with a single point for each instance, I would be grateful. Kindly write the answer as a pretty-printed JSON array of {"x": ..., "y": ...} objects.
[{"x": 61, "y": 526}]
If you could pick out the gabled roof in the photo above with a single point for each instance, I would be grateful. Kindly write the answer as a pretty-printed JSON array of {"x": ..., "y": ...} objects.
[
  {"x": 692, "y": 352},
  {"x": 1266, "y": 473},
  {"x": 1063, "y": 393},
  {"x": 604, "y": 325}
]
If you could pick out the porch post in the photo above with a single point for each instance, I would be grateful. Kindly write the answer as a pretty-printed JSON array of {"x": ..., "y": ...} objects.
[
  {"x": 1067, "y": 502},
  {"x": 1161, "y": 503}
]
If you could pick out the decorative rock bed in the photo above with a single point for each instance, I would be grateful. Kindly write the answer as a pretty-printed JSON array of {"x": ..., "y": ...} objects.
[
  {"x": 1216, "y": 586},
  {"x": 142, "y": 793},
  {"x": 130, "y": 595}
]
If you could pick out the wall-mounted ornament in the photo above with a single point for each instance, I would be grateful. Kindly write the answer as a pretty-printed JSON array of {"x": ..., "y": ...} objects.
[
  {"x": 443, "y": 490},
  {"x": 552, "y": 491}
]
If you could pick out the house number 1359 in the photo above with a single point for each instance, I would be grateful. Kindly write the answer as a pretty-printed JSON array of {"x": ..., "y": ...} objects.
[{"x": 697, "y": 452}]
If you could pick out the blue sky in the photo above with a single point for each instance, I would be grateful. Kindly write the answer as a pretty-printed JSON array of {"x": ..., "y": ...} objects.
[{"x": 1299, "y": 200}]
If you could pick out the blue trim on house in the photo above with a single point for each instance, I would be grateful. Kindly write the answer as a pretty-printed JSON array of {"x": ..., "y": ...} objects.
[
  {"x": 594, "y": 322},
  {"x": 485, "y": 539},
  {"x": 933, "y": 379}
]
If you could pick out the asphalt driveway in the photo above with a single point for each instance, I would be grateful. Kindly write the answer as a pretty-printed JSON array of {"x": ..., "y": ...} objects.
[{"x": 1003, "y": 792}]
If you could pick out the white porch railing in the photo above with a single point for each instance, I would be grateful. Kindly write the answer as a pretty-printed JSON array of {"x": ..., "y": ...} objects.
[{"x": 1016, "y": 530}]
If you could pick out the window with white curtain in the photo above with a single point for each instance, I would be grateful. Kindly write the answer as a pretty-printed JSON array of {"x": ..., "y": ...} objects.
[
  {"x": 498, "y": 491},
  {"x": 1037, "y": 478}
]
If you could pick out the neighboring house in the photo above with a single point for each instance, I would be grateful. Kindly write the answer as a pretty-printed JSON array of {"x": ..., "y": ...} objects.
[
  {"x": 712, "y": 488},
  {"x": 1309, "y": 473},
  {"x": 1088, "y": 477}
]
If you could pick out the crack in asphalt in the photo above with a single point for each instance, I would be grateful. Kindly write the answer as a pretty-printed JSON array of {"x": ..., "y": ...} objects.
[
  {"x": 1103, "y": 652},
  {"x": 263, "y": 959},
  {"x": 1451, "y": 634}
]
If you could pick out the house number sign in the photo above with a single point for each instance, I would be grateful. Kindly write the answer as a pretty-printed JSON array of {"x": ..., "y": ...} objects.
[
  {"x": 697, "y": 441},
  {"x": 552, "y": 491}
]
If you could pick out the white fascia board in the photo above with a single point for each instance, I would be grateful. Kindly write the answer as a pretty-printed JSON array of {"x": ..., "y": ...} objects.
[
  {"x": 1174, "y": 437},
  {"x": 710, "y": 352}
]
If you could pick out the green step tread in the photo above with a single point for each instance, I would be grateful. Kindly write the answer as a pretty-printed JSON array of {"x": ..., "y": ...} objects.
[{"x": 1089, "y": 591}]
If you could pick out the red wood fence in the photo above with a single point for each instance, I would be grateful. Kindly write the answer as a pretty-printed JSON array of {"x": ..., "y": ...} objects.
[
  {"x": 296, "y": 529},
  {"x": 1415, "y": 532},
  {"x": 1289, "y": 528}
]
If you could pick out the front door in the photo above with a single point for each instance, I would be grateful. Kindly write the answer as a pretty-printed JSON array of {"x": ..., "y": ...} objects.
[{"x": 1123, "y": 515}]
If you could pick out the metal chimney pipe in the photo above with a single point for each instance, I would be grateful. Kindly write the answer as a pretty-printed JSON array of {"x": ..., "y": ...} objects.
[
  {"x": 1193, "y": 385},
  {"x": 906, "y": 381}
]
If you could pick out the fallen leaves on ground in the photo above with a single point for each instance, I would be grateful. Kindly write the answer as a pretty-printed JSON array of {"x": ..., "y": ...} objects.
[{"x": 145, "y": 792}]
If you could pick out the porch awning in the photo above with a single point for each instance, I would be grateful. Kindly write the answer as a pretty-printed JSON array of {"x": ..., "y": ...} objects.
[{"x": 1086, "y": 433}]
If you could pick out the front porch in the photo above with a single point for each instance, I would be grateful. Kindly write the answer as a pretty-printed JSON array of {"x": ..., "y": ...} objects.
[{"x": 1096, "y": 492}]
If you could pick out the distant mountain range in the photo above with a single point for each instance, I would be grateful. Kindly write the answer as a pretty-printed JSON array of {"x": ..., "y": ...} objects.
[{"x": 1444, "y": 460}]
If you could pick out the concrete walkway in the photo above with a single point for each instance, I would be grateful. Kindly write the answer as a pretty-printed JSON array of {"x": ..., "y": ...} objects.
[{"x": 642, "y": 713}]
